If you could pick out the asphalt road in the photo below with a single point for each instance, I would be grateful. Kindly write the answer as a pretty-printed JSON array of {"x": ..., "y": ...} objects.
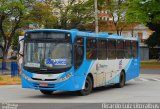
[
  {"x": 150, "y": 71},
  {"x": 145, "y": 89},
  {"x": 142, "y": 89}
]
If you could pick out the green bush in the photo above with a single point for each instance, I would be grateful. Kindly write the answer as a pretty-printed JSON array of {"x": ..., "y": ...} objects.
[{"x": 1, "y": 78}]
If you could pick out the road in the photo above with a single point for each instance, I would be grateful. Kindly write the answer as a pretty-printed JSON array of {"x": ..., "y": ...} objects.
[
  {"x": 143, "y": 89},
  {"x": 150, "y": 71}
]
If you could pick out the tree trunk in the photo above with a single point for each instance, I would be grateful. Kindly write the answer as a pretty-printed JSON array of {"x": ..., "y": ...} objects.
[
  {"x": 118, "y": 32},
  {"x": 132, "y": 33},
  {"x": 4, "y": 66}
]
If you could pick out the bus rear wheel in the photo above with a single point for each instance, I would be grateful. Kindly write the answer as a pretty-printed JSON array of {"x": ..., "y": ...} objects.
[
  {"x": 46, "y": 92},
  {"x": 121, "y": 80},
  {"x": 88, "y": 87}
]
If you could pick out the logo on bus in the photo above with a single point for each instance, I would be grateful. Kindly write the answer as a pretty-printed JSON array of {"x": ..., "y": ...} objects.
[
  {"x": 56, "y": 61},
  {"x": 98, "y": 66}
]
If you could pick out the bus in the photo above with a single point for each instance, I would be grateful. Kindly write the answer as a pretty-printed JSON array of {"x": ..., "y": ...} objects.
[{"x": 73, "y": 60}]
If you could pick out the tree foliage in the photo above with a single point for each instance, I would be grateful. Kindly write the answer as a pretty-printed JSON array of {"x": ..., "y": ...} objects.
[
  {"x": 15, "y": 40},
  {"x": 12, "y": 13},
  {"x": 42, "y": 14},
  {"x": 148, "y": 13},
  {"x": 153, "y": 40},
  {"x": 73, "y": 14},
  {"x": 117, "y": 9}
]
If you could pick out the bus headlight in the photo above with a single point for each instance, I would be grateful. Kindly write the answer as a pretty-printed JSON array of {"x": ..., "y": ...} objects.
[
  {"x": 65, "y": 78},
  {"x": 58, "y": 80},
  {"x": 25, "y": 77}
]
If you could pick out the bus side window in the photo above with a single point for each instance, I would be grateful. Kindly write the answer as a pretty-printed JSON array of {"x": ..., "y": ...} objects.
[
  {"x": 111, "y": 49},
  {"x": 91, "y": 48},
  {"x": 101, "y": 50},
  {"x": 128, "y": 49},
  {"x": 120, "y": 49},
  {"x": 78, "y": 52},
  {"x": 134, "y": 49}
]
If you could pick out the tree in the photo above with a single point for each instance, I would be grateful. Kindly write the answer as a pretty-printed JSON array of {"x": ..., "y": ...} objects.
[
  {"x": 15, "y": 40},
  {"x": 12, "y": 13},
  {"x": 153, "y": 40},
  {"x": 42, "y": 14},
  {"x": 117, "y": 9},
  {"x": 148, "y": 13},
  {"x": 73, "y": 14}
]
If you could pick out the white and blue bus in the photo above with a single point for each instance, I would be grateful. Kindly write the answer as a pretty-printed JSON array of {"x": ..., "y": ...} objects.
[{"x": 72, "y": 60}]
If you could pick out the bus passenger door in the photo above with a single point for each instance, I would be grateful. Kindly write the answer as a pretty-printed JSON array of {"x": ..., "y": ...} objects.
[{"x": 78, "y": 52}]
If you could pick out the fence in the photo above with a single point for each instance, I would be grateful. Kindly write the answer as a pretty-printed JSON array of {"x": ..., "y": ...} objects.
[{"x": 10, "y": 67}]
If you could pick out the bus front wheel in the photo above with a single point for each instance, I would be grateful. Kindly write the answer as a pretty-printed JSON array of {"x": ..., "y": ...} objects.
[
  {"x": 87, "y": 88},
  {"x": 46, "y": 92},
  {"x": 121, "y": 80}
]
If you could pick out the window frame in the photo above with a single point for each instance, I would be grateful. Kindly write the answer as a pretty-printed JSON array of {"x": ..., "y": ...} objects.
[
  {"x": 136, "y": 43},
  {"x": 118, "y": 51},
  {"x": 91, "y": 48},
  {"x": 113, "y": 49},
  {"x": 99, "y": 49}
]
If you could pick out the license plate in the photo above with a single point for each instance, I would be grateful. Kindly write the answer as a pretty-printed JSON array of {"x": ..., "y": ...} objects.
[{"x": 44, "y": 85}]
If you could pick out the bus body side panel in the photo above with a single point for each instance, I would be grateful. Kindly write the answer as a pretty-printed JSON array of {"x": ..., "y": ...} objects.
[
  {"x": 132, "y": 69},
  {"x": 83, "y": 71},
  {"x": 107, "y": 72}
]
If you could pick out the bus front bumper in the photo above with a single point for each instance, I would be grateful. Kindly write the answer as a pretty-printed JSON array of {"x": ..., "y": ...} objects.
[{"x": 72, "y": 83}]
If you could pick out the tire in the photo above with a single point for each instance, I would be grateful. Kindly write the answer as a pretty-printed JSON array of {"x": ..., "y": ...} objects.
[
  {"x": 46, "y": 92},
  {"x": 121, "y": 80},
  {"x": 88, "y": 87}
]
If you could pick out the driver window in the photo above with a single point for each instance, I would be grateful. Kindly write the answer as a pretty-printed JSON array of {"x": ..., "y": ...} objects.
[{"x": 78, "y": 52}]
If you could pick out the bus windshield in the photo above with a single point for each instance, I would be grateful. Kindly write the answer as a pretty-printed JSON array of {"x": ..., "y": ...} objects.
[
  {"x": 47, "y": 55},
  {"x": 44, "y": 54}
]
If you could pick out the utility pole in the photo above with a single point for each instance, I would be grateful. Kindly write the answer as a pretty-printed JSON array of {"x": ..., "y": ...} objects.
[{"x": 96, "y": 16}]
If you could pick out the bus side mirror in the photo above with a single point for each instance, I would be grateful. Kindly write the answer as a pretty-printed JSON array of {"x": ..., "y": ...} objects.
[{"x": 20, "y": 47}]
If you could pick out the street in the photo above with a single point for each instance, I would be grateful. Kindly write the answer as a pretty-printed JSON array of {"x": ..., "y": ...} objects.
[{"x": 143, "y": 89}]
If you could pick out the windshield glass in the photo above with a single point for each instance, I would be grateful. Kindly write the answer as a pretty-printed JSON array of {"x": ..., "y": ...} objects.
[{"x": 53, "y": 55}]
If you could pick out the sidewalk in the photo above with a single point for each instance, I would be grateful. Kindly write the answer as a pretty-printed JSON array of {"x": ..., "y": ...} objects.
[
  {"x": 5, "y": 72},
  {"x": 150, "y": 64},
  {"x": 8, "y": 80}
]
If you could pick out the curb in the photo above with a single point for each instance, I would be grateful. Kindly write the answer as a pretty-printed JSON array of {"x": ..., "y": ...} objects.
[
  {"x": 3, "y": 83},
  {"x": 150, "y": 67}
]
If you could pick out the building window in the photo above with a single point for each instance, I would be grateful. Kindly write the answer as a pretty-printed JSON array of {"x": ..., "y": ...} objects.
[{"x": 140, "y": 35}]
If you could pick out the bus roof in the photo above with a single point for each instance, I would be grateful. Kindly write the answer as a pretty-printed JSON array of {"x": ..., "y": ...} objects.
[{"x": 87, "y": 34}]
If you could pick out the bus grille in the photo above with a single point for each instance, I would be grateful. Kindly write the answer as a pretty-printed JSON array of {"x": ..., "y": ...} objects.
[
  {"x": 44, "y": 80},
  {"x": 36, "y": 85}
]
